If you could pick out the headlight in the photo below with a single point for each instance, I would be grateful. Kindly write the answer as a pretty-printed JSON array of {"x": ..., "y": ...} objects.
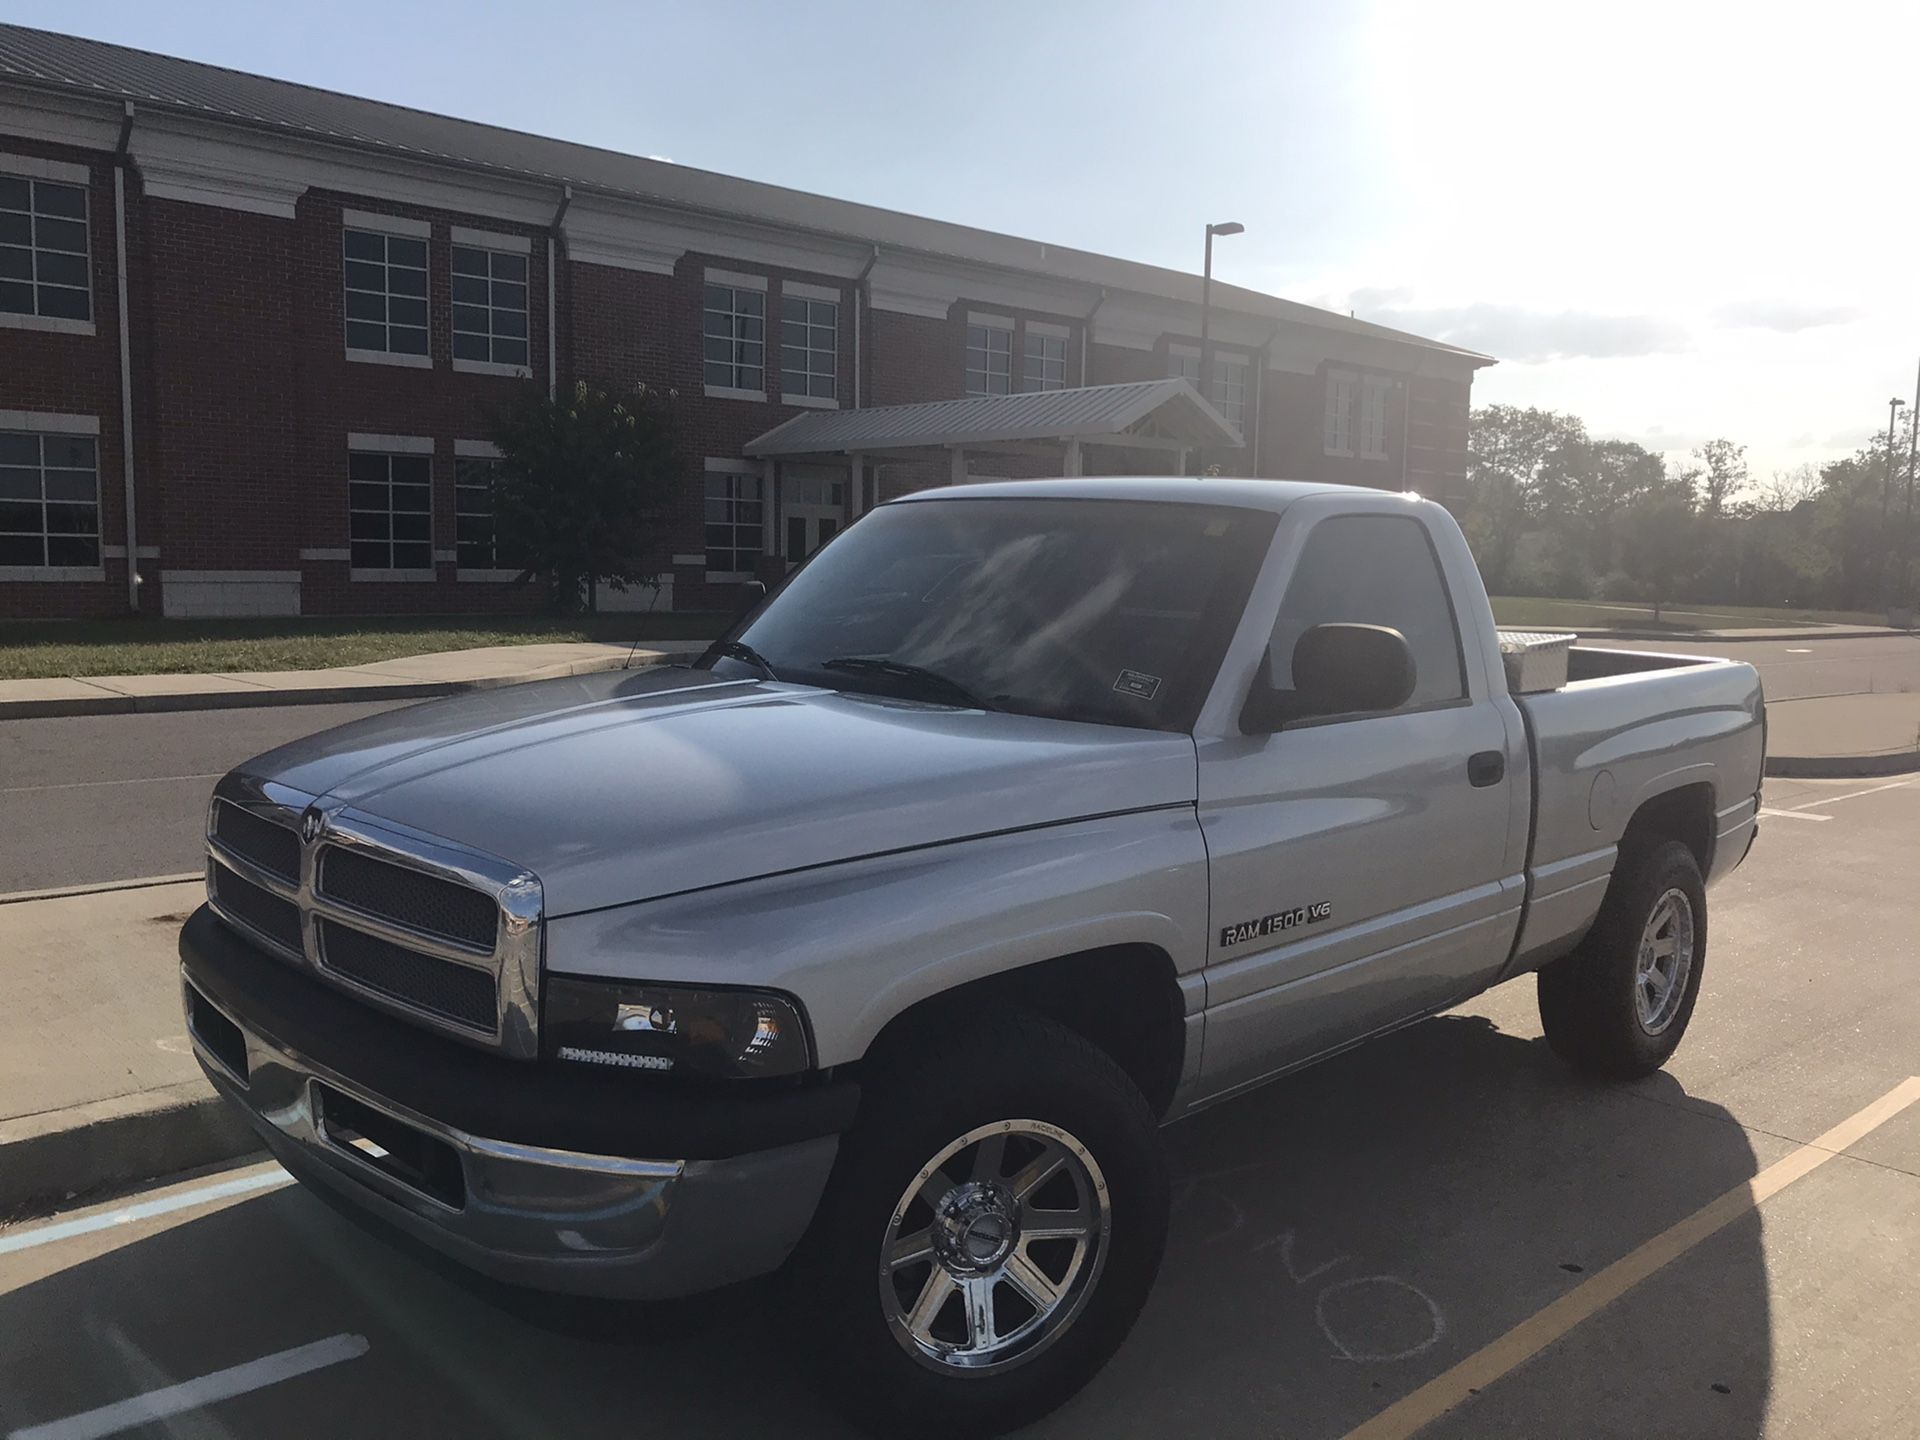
[{"x": 673, "y": 1029}]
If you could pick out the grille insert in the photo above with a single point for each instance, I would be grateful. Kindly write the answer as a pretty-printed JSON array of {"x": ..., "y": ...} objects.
[
  {"x": 452, "y": 991},
  {"x": 274, "y": 848},
  {"x": 410, "y": 898},
  {"x": 251, "y": 904}
]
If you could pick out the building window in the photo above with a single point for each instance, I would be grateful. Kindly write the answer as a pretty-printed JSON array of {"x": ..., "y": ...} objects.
[
  {"x": 1184, "y": 364},
  {"x": 391, "y": 504},
  {"x": 735, "y": 523},
  {"x": 1046, "y": 361},
  {"x": 49, "y": 499},
  {"x": 736, "y": 338},
  {"x": 989, "y": 360},
  {"x": 1343, "y": 388},
  {"x": 489, "y": 306},
  {"x": 477, "y": 540},
  {"x": 43, "y": 249},
  {"x": 1230, "y": 387},
  {"x": 1374, "y": 390},
  {"x": 386, "y": 279},
  {"x": 809, "y": 346}
]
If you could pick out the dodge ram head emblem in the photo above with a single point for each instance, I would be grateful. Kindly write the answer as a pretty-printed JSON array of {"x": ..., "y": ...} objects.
[{"x": 310, "y": 824}]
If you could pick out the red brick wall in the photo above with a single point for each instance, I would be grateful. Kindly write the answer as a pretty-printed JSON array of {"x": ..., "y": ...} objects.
[
  {"x": 77, "y": 375},
  {"x": 1437, "y": 439}
]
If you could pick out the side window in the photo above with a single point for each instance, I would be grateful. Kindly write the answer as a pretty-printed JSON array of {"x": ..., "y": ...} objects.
[{"x": 1374, "y": 570}]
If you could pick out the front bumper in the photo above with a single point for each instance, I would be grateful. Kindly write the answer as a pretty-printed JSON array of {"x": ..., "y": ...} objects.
[{"x": 548, "y": 1216}]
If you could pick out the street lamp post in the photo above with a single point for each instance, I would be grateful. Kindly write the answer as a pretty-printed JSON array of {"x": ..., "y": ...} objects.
[
  {"x": 1886, "y": 491},
  {"x": 1230, "y": 227}
]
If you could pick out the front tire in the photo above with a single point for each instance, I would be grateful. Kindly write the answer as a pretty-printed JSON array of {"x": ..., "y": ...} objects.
[
  {"x": 991, "y": 1231},
  {"x": 1617, "y": 1007}
]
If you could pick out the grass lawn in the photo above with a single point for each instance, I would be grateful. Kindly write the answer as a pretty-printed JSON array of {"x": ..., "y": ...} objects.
[
  {"x": 30, "y": 648},
  {"x": 1536, "y": 612}
]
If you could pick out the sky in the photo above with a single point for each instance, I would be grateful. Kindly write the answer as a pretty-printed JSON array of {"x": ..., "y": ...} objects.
[{"x": 1679, "y": 221}]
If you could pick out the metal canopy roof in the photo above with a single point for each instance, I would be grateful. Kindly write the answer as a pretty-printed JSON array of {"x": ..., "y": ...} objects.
[
  {"x": 100, "y": 71},
  {"x": 1143, "y": 414}
]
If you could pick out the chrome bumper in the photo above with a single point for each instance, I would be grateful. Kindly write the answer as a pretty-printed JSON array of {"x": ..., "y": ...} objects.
[{"x": 547, "y": 1219}]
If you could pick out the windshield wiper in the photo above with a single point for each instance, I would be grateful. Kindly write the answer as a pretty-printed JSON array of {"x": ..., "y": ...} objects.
[
  {"x": 740, "y": 650},
  {"x": 899, "y": 669}
]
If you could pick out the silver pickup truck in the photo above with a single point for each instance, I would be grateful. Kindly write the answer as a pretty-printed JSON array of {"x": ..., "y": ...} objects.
[{"x": 875, "y": 946}]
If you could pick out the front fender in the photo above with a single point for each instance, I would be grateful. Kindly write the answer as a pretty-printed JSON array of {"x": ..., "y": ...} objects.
[{"x": 861, "y": 941}]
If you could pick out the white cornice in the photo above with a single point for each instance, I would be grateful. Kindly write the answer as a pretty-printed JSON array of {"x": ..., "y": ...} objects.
[{"x": 59, "y": 120}]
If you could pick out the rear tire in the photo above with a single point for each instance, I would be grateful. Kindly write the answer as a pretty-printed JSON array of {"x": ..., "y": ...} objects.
[
  {"x": 1617, "y": 1007},
  {"x": 923, "y": 1286}
]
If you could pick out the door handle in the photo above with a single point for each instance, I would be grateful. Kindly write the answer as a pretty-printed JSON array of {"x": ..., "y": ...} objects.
[{"x": 1489, "y": 767}]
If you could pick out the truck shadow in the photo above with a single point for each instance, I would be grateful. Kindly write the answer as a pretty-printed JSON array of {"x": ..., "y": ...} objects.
[{"x": 1340, "y": 1238}]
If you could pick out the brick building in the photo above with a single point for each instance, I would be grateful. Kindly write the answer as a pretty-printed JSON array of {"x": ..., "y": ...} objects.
[{"x": 252, "y": 334}]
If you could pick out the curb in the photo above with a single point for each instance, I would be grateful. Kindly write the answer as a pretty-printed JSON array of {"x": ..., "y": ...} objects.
[
  {"x": 322, "y": 694},
  {"x": 1842, "y": 767},
  {"x": 46, "y": 1159},
  {"x": 1722, "y": 637}
]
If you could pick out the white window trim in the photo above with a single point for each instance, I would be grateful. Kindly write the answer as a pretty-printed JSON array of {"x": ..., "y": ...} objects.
[
  {"x": 35, "y": 168},
  {"x": 1186, "y": 352},
  {"x": 800, "y": 291},
  {"x": 688, "y": 559},
  {"x": 68, "y": 574},
  {"x": 326, "y": 554},
  {"x": 56, "y": 324},
  {"x": 1381, "y": 386},
  {"x": 991, "y": 322},
  {"x": 49, "y": 422},
  {"x": 717, "y": 465},
  {"x": 390, "y": 357},
  {"x": 231, "y": 577},
  {"x": 390, "y": 224},
  {"x": 492, "y": 240},
  {"x": 1049, "y": 329},
  {"x": 491, "y": 367},
  {"x": 727, "y": 392},
  {"x": 391, "y": 444},
  {"x": 812, "y": 402},
  {"x": 394, "y": 577},
  {"x": 476, "y": 449},
  {"x": 737, "y": 279}
]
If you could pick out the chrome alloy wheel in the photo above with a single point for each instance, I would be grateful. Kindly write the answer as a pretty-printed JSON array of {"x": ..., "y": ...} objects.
[
  {"x": 1664, "y": 963},
  {"x": 995, "y": 1247}
]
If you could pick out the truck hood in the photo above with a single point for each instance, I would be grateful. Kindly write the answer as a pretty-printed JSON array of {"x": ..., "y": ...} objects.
[{"x": 631, "y": 785}]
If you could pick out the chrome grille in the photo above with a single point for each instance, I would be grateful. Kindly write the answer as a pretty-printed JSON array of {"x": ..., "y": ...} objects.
[
  {"x": 256, "y": 906},
  {"x": 461, "y": 993},
  {"x": 436, "y": 933},
  {"x": 409, "y": 897},
  {"x": 273, "y": 848}
]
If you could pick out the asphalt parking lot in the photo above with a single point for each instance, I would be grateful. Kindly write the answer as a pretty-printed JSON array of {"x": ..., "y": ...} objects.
[{"x": 1434, "y": 1215}]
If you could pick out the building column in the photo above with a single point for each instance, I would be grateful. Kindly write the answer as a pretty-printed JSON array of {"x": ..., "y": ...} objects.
[
  {"x": 959, "y": 474},
  {"x": 857, "y": 478},
  {"x": 1073, "y": 465}
]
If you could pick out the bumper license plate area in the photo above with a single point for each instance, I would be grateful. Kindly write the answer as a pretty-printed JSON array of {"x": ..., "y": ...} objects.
[{"x": 396, "y": 1149}]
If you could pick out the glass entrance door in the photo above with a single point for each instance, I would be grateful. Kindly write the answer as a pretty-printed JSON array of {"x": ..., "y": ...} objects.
[{"x": 813, "y": 507}]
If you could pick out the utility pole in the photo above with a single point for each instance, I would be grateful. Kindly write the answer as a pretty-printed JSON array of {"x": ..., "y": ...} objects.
[
  {"x": 1229, "y": 227},
  {"x": 1886, "y": 490}
]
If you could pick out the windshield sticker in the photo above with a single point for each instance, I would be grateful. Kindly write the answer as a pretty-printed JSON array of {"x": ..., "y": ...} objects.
[{"x": 1137, "y": 683}]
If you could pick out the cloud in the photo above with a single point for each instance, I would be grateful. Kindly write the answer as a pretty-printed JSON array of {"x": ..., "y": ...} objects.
[
  {"x": 1786, "y": 316},
  {"x": 1512, "y": 332}
]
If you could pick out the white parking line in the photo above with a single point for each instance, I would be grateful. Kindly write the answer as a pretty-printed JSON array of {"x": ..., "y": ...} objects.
[
  {"x": 1772, "y": 814},
  {"x": 192, "y": 1394},
  {"x": 1852, "y": 795},
  {"x": 269, "y": 1179}
]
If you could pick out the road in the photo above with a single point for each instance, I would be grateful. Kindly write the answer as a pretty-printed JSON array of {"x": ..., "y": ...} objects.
[
  {"x": 1342, "y": 1239},
  {"x": 1803, "y": 669},
  {"x": 115, "y": 797}
]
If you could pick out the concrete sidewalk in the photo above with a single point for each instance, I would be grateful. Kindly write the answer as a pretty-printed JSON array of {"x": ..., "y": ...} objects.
[
  {"x": 407, "y": 678},
  {"x": 1834, "y": 735},
  {"x": 1751, "y": 635}
]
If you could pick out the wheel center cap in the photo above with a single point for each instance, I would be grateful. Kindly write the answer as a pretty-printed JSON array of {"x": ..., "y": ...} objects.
[{"x": 975, "y": 1227}]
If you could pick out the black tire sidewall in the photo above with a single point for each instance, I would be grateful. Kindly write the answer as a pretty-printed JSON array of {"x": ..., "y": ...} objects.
[{"x": 1025, "y": 1069}]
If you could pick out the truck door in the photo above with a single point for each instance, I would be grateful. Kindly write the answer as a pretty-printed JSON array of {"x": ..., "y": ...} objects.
[{"x": 1364, "y": 869}]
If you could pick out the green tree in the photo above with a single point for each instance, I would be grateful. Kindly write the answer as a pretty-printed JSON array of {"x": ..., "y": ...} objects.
[
  {"x": 585, "y": 480},
  {"x": 1660, "y": 545},
  {"x": 1511, "y": 449},
  {"x": 1723, "y": 474}
]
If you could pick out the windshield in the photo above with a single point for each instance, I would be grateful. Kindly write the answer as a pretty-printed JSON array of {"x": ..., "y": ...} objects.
[{"x": 1115, "y": 612}]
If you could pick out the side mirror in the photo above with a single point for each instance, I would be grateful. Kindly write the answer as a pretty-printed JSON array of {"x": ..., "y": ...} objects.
[{"x": 1337, "y": 670}]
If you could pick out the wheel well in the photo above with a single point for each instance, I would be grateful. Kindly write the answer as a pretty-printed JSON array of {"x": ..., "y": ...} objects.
[
  {"x": 1123, "y": 998},
  {"x": 1684, "y": 814}
]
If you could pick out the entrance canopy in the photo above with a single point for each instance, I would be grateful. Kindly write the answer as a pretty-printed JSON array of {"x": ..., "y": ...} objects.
[{"x": 1164, "y": 415}]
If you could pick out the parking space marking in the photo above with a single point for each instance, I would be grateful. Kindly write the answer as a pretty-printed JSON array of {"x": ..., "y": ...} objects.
[
  {"x": 1772, "y": 814},
  {"x": 193, "y": 1394},
  {"x": 1413, "y": 1413},
  {"x": 268, "y": 1179},
  {"x": 1852, "y": 795}
]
